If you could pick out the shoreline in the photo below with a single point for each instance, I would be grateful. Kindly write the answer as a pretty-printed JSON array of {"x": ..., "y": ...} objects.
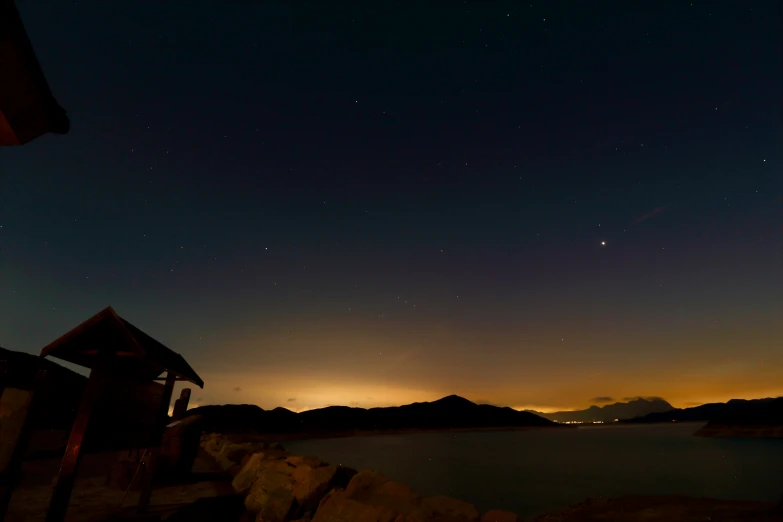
[
  {"x": 352, "y": 495},
  {"x": 372, "y": 433}
]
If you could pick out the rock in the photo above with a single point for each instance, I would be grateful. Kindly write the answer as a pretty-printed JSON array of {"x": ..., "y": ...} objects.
[
  {"x": 245, "y": 459},
  {"x": 311, "y": 484},
  {"x": 337, "y": 507},
  {"x": 236, "y": 452},
  {"x": 276, "y": 446},
  {"x": 231, "y": 454},
  {"x": 271, "y": 495},
  {"x": 245, "y": 477},
  {"x": 298, "y": 460},
  {"x": 273, "y": 505},
  {"x": 369, "y": 487},
  {"x": 398, "y": 497},
  {"x": 364, "y": 483},
  {"x": 212, "y": 444},
  {"x": 499, "y": 516},
  {"x": 255, "y": 467},
  {"x": 447, "y": 509}
]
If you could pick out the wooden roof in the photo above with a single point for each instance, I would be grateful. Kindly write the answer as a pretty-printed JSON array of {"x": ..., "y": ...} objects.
[
  {"x": 140, "y": 356},
  {"x": 27, "y": 108}
]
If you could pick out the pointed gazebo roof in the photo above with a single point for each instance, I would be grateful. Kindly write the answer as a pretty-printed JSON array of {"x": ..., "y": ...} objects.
[{"x": 140, "y": 356}]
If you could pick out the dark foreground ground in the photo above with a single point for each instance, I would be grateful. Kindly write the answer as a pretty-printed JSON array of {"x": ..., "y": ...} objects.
[
  {"x": 665, "y": 509},
  {"x": 211, "y": 491},
  {"x": 93, "y": 501}
]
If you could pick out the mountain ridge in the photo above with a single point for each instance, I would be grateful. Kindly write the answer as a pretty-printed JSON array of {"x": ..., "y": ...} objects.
[
  {"x": 610, "y": 412},
  {"x": 704, "y": 412},
  {"x": 450, "y": 412}
]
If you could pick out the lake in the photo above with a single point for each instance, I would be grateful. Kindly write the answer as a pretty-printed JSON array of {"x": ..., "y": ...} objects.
[{"x": 536, "y": 471}]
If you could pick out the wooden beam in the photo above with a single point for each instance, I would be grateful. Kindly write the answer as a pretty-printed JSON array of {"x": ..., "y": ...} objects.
[
  {"x": 61, "y": 496},
  {"x": 152, "y": 455},
  {"x": 181, "y": 405},
  {"x": 13, "y": 471},
  {"x": 117, "y": 354}
]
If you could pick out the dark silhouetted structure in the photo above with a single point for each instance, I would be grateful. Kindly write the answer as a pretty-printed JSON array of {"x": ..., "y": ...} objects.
[
  {"x": 121, "y": 407},
  {"x": 27, "y": 108}
]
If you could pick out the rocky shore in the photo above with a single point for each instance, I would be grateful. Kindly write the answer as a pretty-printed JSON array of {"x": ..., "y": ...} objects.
[
  {"x": 278, "y": 486},
  {"x": 281, "y": 487}
]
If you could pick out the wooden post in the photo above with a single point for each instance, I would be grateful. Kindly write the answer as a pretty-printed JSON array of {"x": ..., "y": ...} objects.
[
  {"x": 181, "y": 405},
  {"x": 157, "y": 438},
  {"x": 61, "y": 496},
  {"x": 13, "y": 472}
]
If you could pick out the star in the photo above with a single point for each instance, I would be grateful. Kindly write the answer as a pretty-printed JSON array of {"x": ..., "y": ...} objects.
[{"x": 603, "y": 243}]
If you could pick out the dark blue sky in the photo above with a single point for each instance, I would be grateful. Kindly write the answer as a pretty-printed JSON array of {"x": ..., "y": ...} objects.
[{"x": 578, "y": 199}]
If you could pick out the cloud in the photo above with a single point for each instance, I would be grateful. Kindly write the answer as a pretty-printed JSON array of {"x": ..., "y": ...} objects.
[
  {"x": 649, "y": 398},
  {"x": 488, "y": 403},
  {"x": 602, "y": 399},
  {"x": 292, "y": 400},
  {"x": 651, "y": 214},
  {"x": 237, "y": 389}
]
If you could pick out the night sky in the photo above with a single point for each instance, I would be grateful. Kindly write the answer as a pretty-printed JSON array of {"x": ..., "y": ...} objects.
[{"x": 377, "y": 203}]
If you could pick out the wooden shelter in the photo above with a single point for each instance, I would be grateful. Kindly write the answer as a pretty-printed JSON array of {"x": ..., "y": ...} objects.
[
  {"x": 27, "y": 108},
  {"x": 141, "y": 357},
  {"x": 122, "y": 406}
]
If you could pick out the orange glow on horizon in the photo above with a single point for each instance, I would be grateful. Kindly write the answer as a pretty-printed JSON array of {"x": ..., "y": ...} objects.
[
  {"x": 293, "y": 377},
  {"x": 306, "y": 394}
]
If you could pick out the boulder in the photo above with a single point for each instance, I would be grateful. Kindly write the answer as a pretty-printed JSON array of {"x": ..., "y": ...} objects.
[
  {"x": 212, "y": 443},
  {"x": 312, "y": 484},
  {"x": 363, "y": 484},
  {"x": 369, "y": 487},
  {"x": 232, "y": 453},
  {"x": 499, "y": 516},
  {"x": 298, "y": 460},
  {"x": 447, "y": 509},
  {"x": 257, "y": 467},
  {"x": 247, "y": 474},
  {"x": 276, "y": 505},
  {"x": 272, "y": 495},
  {"x": 337, "y": 507},
  {"x": 398, "y": 497},
  {"x": 252, "y": 466},
  {"x": 410, "y": 518}
]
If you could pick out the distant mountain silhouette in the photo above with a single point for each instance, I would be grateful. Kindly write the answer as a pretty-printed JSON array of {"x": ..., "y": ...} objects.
[
  {"x": 610, "y": 412},
  {"x": 446, "y": 413},
  {"x": 764, "y": 412},
  {"x": 708, "y": 412},
  {"x": 756, "y": 419}
]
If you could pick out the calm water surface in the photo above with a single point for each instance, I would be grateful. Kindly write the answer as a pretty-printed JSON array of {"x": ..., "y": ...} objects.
[{"x": 531, "y": 472}]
